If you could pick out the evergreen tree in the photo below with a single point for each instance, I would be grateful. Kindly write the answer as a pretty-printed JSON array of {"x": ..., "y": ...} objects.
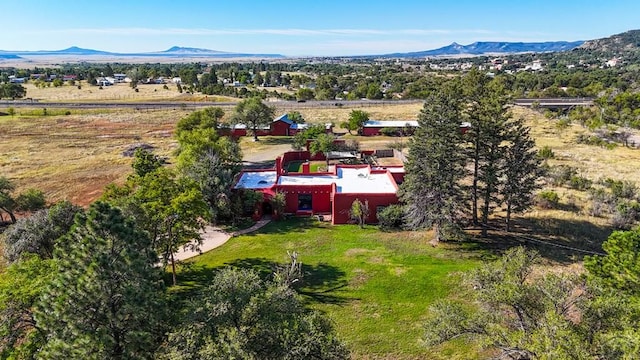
[
  {"x": 494, "y": 119},
  {"x": 521, "y": 170},
  {"x": 39, "y": 233},
  {"x": 105, "y": 300},
  {"x": 21, "y": 286},
  {"x": 474, "y": 86},
  {"x": 620, "y": 268},
  {"x": 145, "y": 162},
  {"x": 436, "y": 165},
  {"x": 488, "y": 115},
  {"x": 215, "y": 175},
  {"x": 240, "y": 316}
]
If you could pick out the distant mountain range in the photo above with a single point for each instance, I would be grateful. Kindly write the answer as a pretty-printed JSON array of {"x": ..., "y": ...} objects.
[
  {"x": 175, "y": 51},
  {"x": 627, "y": 41},
  {"x": 8, "y": 56},
  {"x": 482, "y": 48}
]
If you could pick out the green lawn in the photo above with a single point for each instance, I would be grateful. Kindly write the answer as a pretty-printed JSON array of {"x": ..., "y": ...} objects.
[
  {"x": 317, "y": 166},
  {"x": 375, "y": 286},
  {"x": 314, "y": 166}
]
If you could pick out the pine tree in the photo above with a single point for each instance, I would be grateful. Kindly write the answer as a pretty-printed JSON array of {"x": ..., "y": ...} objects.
[
  {"x": 474, "y": 90},
  {"x": 436, "y": 165},
  {"x": 495, "y": 117},
  {"x": 521, "y": 170},
  {"x": 105, "y": 299},
  {"x": 488, "y": 115}
]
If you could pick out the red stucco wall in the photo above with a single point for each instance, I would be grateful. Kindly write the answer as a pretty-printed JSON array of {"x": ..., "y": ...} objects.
[
  {"x": 370, "y": 131},
  {"x": 320, "y": 197},
  {"x": 342, "y": 205}
]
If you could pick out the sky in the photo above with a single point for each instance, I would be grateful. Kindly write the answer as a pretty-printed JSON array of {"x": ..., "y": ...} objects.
[{"x": 303, "y": 28}]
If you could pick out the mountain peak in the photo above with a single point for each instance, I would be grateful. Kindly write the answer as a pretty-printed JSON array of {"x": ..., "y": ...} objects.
[
  {"x": 190, "y": 50},
  {"x": 78, "y": 51}
]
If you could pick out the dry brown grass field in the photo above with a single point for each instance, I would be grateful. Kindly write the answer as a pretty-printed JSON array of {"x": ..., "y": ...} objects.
[
  {"x": 336, "y": 115},
  {"x": 117, "y": 92}
]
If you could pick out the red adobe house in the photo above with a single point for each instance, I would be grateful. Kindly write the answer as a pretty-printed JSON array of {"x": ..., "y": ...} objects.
[{"x": 330, "y": 192}]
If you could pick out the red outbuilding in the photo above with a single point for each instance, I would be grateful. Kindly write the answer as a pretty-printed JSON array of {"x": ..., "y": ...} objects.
[{"x": 280, "y": 126}]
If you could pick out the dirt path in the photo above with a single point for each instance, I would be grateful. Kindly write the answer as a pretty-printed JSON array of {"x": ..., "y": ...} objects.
[
  {"x": 213, "y": 237},
  {"x": 266, "y": 153}
]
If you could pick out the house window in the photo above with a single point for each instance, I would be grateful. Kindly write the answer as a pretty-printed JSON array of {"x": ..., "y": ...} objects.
[{"x": 304, "y": 202}]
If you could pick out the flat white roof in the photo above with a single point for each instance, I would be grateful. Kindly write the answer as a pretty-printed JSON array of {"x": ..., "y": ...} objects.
[
  {"x": 305, "y": 126},
  {"x": 390, "y": 123},
  {"x": 256, "y": 180},
  {"x": 391, "y": 169},
  {"x": 348, "y": 180}
]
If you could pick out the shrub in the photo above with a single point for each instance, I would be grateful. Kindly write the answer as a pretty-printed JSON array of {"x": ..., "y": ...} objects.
[
  {"x": 278, "y": 202},
  {"x": 546, "y": 153},
  {"x": 359, "y": 211},
  {"x": 580, "y": 183},
  {"x": 391, "y": 217},
  {"x": 389, "y": 131},
  {"x": 563, "y": 123},
  {"x": 560, "y": 175},
  {"x": 594, "y": 140},
  {"x": 601, "y": 202},
  {"x": 547, "y": 199},
  {"x": 251, "y": 199},
  {"x": 621, "y": 189},
  {"x": 626, "y": 215},
  {"x": 31, "y": 200}
]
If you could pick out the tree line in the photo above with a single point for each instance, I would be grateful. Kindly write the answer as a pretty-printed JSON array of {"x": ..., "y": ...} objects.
[{"x": 457, "y": 177}]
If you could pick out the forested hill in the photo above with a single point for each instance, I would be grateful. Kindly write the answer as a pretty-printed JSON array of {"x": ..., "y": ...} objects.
[
  {"x": 492, "y": 47},
  {"x": 624, "y": 42}
]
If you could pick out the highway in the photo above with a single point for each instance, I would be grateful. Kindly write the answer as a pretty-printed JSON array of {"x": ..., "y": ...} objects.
[
  {"x": 195, "y": 104},
  {"x": 542, "y": 102}
]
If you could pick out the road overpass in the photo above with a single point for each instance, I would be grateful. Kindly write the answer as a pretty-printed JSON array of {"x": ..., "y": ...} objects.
[{"x": 554, "y": 103}]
